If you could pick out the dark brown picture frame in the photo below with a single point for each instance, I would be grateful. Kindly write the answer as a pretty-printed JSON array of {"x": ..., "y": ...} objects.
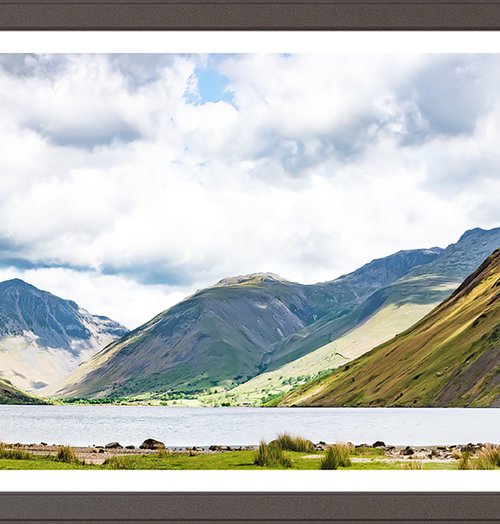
[
  {"x": 249, "y": 14},
  {"x": 304, "y": 507},
  {"x": 353, "y": 508}
]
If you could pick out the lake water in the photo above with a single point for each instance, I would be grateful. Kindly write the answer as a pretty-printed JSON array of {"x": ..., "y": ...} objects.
[{"x": 98, "y": 425}]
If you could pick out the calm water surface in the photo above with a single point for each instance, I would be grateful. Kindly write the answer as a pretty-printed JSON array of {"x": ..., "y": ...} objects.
[{"x": 89, "y": 425}]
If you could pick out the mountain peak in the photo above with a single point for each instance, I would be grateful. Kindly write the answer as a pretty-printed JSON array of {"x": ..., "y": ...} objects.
[
  {"x": 476, "y": 231},
  {"x": 252, "y": 278},
  {"x": 19, "y": 287},
  {"x": 15, "y": 282},
  {"x": 45, "y": 335}
]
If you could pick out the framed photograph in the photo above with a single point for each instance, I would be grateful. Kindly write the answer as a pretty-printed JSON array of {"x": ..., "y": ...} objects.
[{"x": 249, "y": 261}]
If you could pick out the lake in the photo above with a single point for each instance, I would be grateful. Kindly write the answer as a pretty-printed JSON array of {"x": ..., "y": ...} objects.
[{"x": 176, "y": 426}]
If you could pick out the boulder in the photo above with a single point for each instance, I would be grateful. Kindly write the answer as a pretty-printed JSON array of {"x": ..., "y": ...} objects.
[
  {"x": 113, "y": 445},
  {"x": 407, "y": 451},
  {"x": 378, "y": 444},
  {"x": 151, "y": 443},
  {"x": 130, "y": 447}
]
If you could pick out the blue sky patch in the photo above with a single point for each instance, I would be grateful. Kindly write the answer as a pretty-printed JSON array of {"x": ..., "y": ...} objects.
[{"x": 211, "y": 87}]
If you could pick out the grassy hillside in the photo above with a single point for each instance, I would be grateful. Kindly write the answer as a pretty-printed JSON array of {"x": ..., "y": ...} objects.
[
  {"x": 216, "y": 336},
  {"x": 11, "y": 395},
  {"x": 221, "y": 336},
  {"x": 330, "y": 342},
  {"x": 382, "y": 326},
  {"x": 424, "y": 286},
  {"x": 449, "y": 358}
]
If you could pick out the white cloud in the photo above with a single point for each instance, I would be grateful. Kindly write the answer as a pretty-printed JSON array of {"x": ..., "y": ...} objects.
[{"x": 320, "y": 163}]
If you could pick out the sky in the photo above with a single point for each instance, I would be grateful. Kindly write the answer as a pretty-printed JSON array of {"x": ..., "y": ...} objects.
[{"x": 130, "y": 181}]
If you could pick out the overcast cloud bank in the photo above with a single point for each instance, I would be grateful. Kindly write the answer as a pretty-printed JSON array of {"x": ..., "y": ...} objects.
[{"x": 129, "y": 181}]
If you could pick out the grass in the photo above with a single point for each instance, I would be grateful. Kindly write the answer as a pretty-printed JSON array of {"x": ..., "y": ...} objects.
[
  {"x": 116, "y": 463},
  {"x": 294, "y": 443},
  {"x": 413, "y": 465},
  {"x": 232, "y": 460},
  {"x": 337, "y": 456},
  {"x": 285, "y": 452},
  {"x": 272, "y": 455},
  {"x": 367, "y": 452},
  {"x": 163, "y": 453},
  {"x": 15, "y": 458},
  {"x": 13, "y": 453},
  {"x": 66, "y": 454},
  {"x": 41, "y": 463},
  {"x": 487, "y": 458},
  {"x": 465, "y": 460}
]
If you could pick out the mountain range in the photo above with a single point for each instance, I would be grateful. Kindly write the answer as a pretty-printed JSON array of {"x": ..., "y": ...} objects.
[
  {"x": 449, "y": 358},
  {"x": 43, "y": 337},
  {"x": 330, "y": 343},
  {"x": 221, "y": 335},
  {"x": 252, "y": 336},
  {"x": 242, "y": 341}
]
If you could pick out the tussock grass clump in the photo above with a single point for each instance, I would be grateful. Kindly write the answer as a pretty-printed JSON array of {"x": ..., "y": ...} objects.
[
  {"x": 116, "y": 463},
  {"x": 272, "y": 456},
  {"x": 163, "y": 453},
  {"x": 488, "y": 457},
  {"x": 294, "y": 443},
  {"x": 336, "y": 456},
  {"x": 66, "y": 454},
  {"x": 13, "y": 453},
  {"x": 413, "y": 465},
  {"x": 465, "y": 460},
  {"x": 262, "y": 454}
]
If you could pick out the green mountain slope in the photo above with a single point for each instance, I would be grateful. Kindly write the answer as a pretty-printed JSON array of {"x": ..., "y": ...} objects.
[
  {"x": 382, "y": 326},
  {"x": 9, "y": 394},
  {"x": 220, "y": 335},
  {"x": 331, "y": 342},
  {"x": 449, "y": 358},
  {"x": 425, "y": 285}
]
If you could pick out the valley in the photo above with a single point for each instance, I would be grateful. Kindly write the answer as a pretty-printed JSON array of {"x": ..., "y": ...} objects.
[
  {"x": 449, "y": 358},
  {"x": 245, "y": 341}
]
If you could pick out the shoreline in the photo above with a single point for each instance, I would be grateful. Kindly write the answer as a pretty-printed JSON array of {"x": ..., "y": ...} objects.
[
  {"x": 156, "y": 404},
  {"x": 98, "y": 454}
]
